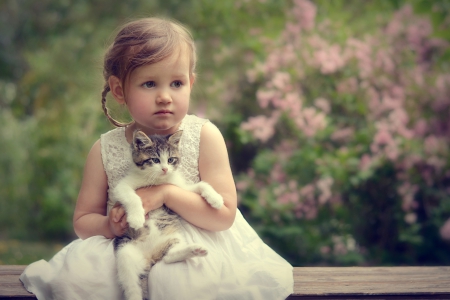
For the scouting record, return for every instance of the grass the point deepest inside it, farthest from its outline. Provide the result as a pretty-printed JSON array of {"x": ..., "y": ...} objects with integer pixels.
[{"x": 15, "y": 252}]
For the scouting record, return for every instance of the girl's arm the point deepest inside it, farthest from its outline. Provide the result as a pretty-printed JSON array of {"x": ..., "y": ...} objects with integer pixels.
[
  {"x": 215, "y": 169},
  {"x": 90, "y": 218}
]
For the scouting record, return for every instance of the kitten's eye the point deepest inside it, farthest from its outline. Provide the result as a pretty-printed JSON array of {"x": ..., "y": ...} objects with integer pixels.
[
  {"x": 176, "y": 84},
  {"x": 172, "y": 160},
  {"x": 156, "y": 160},
  {"x": 149, "y": 84}
]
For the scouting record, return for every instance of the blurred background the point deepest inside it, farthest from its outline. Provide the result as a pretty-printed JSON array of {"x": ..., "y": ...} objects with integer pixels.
[{"x": 336, "y": 114}]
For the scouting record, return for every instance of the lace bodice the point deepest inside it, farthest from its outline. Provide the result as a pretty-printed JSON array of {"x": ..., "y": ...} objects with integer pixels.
[{"x": 116, "y": 152}]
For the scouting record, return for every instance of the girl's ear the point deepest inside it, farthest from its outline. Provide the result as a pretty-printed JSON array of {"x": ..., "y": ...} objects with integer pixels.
[
  {"x": 116, "y": 88},
  {"x": 192, "y": 79}
]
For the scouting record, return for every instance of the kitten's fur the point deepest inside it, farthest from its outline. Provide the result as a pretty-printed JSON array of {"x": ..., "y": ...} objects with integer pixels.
[{"x": 146, "y": 242}]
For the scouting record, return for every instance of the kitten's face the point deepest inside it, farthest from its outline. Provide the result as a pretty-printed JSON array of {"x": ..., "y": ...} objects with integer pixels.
[{"x": 157, "y": 155}]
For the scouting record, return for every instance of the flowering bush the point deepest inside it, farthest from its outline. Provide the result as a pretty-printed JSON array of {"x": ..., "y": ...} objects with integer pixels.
[{"x": 354, "y": 136}]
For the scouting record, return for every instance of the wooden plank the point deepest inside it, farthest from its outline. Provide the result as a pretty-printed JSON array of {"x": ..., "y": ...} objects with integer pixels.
[
  {"x": 371, "y": 283},
  {"x": 320, "y": 283},
  {"x": 10, "y": 285},
  {"x": 11, "y": 270}
]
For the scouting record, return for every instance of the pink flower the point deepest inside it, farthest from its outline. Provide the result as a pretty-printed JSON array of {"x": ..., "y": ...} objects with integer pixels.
[
  {"x": 339, "y": 247},
  {"x": 445, "y": 230},
  {"x": 289, "y": 55},
  {"x": 411, "y": 218},
  {"x": 310, "y": 121},
  {"x": 343, "y": 134},
  {"x": 241, "y": 185},
  {"x": 420, "y": 128},
  {"x": 407, "y": 191},
  {"x": 273, "y": 62},
  {"x": 348, "y": 86},
  {"x": 252, "y": 75},
  {"x": 324, "y": 186},
  {"x": 285, "y": 149},
  {"x": 293, "y": 29},
  {"x": 305, "y": 13},
  {"x": 307, "y": 190},
  {"x": 261, "y": 127},
  {"x": 436, "y": 162},
  {"x": 323, "y": 104},
  {"x": 434, "y": 145},
  {"x": 365, "y": 162},
  {"x": 277, "y": 174},
  {"x": 262, "y": 198},
  {"x": 329, "y": 60},
  {"x": 383, "y": 137},
  {"x": 281, "y": 81},
  {"x": 384, "y": 61},
  {"x": 265, "y": 96},
  {"x": 291, "y": 103},
  {"x": 289, "y": 198},
  {"x": 325, "y": 250}
]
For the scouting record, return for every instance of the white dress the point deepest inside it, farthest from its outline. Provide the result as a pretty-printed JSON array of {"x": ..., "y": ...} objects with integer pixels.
[{"x": 238, "y": 265}]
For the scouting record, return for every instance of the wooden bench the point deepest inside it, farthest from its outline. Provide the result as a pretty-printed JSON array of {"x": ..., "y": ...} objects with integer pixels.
[{"x": 321, "y": 283}]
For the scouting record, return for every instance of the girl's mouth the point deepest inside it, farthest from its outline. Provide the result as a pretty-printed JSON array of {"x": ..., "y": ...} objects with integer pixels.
[{"x": 163, "y": 112}]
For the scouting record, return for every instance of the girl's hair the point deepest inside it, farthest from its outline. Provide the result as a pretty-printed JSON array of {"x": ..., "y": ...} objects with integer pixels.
[{"x": 142, "y": 42}]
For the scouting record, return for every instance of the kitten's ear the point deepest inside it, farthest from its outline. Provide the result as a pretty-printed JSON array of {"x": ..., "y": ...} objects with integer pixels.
[
  {"x": 141, "y": 140},
  {"x": 175, "y": 138}
]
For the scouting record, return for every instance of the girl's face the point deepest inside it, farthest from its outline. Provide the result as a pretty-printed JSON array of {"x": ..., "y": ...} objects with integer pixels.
[{"x": 157, "y": 95}]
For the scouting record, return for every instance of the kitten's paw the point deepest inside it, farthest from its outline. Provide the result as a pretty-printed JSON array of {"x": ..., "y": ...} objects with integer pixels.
[
  {"x": 213, "y": 198},
  {"x": 136, "y": 220},
  {"x": 199, "y": 251}
]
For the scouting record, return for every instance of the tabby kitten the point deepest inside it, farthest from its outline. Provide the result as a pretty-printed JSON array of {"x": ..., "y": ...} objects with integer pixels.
[{"x": 156, "y": 159}]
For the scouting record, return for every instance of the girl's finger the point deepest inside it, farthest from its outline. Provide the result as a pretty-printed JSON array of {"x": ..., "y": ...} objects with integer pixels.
[
  {"x": 124, "y": 222},
  {"x": 120, "y": 213}
]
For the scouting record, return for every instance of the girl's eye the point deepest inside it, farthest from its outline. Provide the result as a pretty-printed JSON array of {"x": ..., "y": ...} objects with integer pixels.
[
  {"x": 176, "y": 84},
  {"x": 149, "y": 84},
  {"x": 172, "y": 160},
  {"x": 156, "y": 160}
]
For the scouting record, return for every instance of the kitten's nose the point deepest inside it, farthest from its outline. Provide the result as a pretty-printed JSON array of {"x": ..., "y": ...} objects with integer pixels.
[{"x": 164, "y": 170}]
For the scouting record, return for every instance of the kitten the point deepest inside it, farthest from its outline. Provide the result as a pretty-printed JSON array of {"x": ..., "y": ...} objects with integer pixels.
[{"x": 156, "y": 159}]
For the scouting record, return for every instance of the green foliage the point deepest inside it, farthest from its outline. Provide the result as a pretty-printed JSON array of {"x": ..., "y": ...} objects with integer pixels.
[
  {"x": 16, "y": 252},
  {"x": 50, "y": 84}
]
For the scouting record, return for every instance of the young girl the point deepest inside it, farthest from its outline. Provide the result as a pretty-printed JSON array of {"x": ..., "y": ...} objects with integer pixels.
[{"x": 150, "y": 68}]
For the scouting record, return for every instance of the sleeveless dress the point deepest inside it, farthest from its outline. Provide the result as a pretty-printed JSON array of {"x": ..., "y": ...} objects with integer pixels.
[{"x": 239, "y": 265}]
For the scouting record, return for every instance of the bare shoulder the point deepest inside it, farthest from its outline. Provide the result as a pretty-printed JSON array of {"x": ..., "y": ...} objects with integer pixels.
[
  {"x": 95, "y": 156},
  {"x": 211, "y": 139},
  {"x": 213, "y": 150},
  {"x": 210, "y": 132}
]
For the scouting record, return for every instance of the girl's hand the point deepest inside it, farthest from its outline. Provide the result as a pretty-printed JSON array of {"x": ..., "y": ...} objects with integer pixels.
[
  {"x": 154, "y": 197},
  {"x": 118, "y": 220}
]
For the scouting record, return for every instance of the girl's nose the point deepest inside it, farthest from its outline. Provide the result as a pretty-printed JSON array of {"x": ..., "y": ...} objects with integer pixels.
[{"x": 163, "y": 97}]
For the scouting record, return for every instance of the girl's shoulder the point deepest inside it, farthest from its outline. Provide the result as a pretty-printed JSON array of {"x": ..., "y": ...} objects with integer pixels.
[
  {"x": 193, "y": 120},
  {"x": 116, "y": 154},
  {"x": 200, "y": 129},
  {"x": 192, "y": 128},
  {"x": 116, "y": 134},
  {"x": 113, "y": 140}
]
